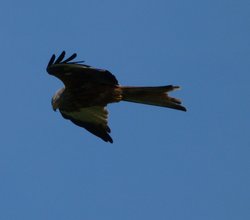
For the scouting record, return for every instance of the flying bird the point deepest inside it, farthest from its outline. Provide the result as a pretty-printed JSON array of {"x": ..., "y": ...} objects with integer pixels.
[{"x": 88, "y": 90}]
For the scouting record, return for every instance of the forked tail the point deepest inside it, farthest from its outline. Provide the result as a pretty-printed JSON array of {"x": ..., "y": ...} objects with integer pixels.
[{"x": 157, "y": 95}]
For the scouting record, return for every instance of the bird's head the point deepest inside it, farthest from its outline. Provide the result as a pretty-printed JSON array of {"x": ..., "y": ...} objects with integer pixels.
[{"x": 56, "y": 99}]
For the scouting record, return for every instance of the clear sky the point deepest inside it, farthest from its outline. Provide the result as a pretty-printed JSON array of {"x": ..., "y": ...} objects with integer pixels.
[{"x": 164, "y": 164}]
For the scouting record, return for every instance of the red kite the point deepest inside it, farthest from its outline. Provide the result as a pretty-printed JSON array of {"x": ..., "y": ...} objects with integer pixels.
[{"x": 88, "y": 90}]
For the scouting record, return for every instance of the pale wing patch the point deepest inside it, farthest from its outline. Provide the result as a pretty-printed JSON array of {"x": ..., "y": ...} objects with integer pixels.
[
  {"x": 95, "y": 114},
  {"x": 94, "y": 119}
]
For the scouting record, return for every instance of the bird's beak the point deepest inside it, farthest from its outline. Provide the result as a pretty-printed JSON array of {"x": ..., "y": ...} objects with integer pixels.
[
  {"x": 54, "y": 109},
  {"x": 54, "y": 106}
]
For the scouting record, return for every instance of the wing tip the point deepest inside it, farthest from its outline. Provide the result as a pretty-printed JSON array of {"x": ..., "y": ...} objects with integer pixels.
[
  {"x": 182, "y": 108},
  {"x": 51, "y": 61},
  {"x": 60, "y": 60},
  {"x": 108, "y": 139}
]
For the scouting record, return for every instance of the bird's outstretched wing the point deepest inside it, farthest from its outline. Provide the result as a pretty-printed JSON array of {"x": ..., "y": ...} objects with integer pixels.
[
  {"x": 75, "y": 73},
  {"x": 94, "y": 119}
]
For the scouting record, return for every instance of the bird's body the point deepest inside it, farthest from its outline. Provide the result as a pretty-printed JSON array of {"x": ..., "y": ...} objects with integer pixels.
[
  {"x": 87, "y": 96},
  {"x": 88, "y": 90}
]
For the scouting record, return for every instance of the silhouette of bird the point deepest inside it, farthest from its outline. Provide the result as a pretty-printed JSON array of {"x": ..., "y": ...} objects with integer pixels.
[{"x": 89, "y": 90}]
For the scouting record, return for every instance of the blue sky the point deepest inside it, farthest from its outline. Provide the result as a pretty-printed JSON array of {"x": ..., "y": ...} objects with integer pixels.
[{"x": 164, "y": 164}]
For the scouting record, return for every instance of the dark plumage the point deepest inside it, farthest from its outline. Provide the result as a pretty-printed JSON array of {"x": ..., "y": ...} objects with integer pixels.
[{"x": 88, "y": 90}]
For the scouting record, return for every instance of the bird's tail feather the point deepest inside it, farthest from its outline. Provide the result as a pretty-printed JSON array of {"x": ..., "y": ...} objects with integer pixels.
[{"x": 157, "y": 95}]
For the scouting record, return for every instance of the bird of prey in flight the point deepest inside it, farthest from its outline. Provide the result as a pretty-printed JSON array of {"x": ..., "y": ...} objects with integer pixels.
[{"x": 89, "y": 90}]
